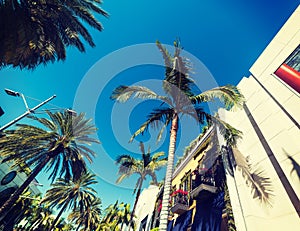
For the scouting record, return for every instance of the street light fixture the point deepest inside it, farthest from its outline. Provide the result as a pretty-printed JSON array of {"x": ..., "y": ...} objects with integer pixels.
[
  {"x": 11, "y": 92},
  {"x": 17, "y": 94}
]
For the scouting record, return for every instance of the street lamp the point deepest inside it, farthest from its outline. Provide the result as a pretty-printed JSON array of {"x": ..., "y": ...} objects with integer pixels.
[
  {"x": 17, "y": 94},
  {"x": 12, "y": 93},
  {"x": 28, "y": 110}
]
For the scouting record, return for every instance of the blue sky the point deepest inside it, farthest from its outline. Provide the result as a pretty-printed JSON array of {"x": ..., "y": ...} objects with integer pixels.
[{"x": 224, "y": 38}]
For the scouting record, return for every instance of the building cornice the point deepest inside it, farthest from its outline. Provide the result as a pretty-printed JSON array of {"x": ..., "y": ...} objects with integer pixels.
[{"x": 191, "y": 154}]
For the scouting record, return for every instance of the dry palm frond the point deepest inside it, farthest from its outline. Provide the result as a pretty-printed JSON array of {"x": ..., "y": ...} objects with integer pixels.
[{"x": 261, "y": 185}]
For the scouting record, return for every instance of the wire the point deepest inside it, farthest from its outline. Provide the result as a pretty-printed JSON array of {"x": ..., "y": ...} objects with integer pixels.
[{"x": 57, "y": 108}]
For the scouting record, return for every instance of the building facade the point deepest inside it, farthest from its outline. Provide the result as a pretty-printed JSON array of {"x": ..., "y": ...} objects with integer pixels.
[
  {"x": 144, "y": 208},
  {"x": 270, "y": 122},
  {"x": 10, "y": 180}
]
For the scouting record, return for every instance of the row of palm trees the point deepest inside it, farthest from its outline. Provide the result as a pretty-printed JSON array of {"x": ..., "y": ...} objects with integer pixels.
[
  {"x": 84, "y": 207},
  {"x": 61, "y": 149}
]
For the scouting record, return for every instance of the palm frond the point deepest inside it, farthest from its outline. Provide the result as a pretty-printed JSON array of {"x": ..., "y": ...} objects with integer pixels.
[
  {"x": 229, "y": 95},
  {"x": 153, "y": 119},
  {"x": 167, "y": 58},
  {"x": 230, "y": 134},
  {"x": 142, "y": 147},
  {"x": 34, "y": 36},
  {"x": 123, "y": 93},
  {"x": 197, "y": 113}
]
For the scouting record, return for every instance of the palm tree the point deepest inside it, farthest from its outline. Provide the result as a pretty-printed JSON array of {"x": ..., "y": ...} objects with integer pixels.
[
  {"x": 115, "y": 217},
  {"x": 124, "y": 215},
  {"x": 90, "y": 218},
  {"x": 179, "y": 100},
  {"x": 36, "y": 32},
  {"x": 41, "y": 217},
  {"x": 142, "y": 167},
  {"x": 110, "y": 212},
  {"x": 76, "y": 194},
  {"x": 62, "y": 148}
]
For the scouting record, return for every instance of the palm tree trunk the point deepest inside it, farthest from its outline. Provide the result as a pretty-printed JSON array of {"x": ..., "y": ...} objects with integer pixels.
[
  {"x": 167, "y": 187},
  {"x": 59, "y": 214},
  {"x": 138, "y": 193},
  {"x": 14, "y": 197}
]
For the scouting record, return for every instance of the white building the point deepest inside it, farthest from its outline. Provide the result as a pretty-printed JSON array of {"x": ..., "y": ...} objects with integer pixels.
[
  {"x": 270, "y": 122},
  {"x": 144, "y": 208}
]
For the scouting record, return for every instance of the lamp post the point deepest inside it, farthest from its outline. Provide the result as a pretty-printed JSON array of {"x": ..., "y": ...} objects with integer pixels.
[{"x": 28, "y": 111}]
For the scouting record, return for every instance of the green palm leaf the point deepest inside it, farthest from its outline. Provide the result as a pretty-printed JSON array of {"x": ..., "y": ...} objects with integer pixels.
[
  {"x": 123, "y": 93},
  {"x": 39, "y": 32},
  {"x": 77, "y": 194},
  {"x": 229, "y": 95},
  {"x": 164, "y": 115}
]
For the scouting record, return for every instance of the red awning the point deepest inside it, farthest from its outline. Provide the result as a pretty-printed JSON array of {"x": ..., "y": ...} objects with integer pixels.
[{"x": 290, "y": 76}]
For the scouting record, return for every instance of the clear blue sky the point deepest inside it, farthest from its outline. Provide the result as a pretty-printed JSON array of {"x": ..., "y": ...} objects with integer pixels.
[{"x": 226, "y": 36}]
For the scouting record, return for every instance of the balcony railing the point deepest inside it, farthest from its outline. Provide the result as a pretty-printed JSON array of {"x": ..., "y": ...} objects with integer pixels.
[
  {"x": 180, "y": 202},
  {"x": 203, "y": 192},
  {"x": 203, "y": 186},
  {"x": 179, "y": 208}
]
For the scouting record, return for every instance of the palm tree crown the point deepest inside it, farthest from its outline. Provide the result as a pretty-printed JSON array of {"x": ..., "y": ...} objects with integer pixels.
[
  {"x": 76, "y": 194},
  {"x": 89, "y": 218},
  {"x": 179, "y": 99},
  {"x": 61, "y": 148},
  {"x": 115, "y": 217},
  {"x": 39, "y": 31}
]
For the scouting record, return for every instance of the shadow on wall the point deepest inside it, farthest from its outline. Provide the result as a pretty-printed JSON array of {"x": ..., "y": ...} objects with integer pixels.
[{"x": 296, "y": 166}]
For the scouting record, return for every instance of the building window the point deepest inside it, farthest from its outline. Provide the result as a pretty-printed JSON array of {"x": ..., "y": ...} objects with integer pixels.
[
  {"x": 289, "y": 71},
  {"x": 8, "y": 177},
  {"x": 186, "y": 182},
  {"x": 293, "y": 60}
]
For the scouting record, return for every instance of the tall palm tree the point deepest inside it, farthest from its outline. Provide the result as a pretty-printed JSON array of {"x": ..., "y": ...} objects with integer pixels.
[
  {"x": 76, "y": 194},
  {"x": 128, "y": 166},
  {"x": 179, "y": 100},
  {"x": 39, "y": 31},
  {"x": 90, "y": 218},
  {"x": 62, "y": 148}
]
